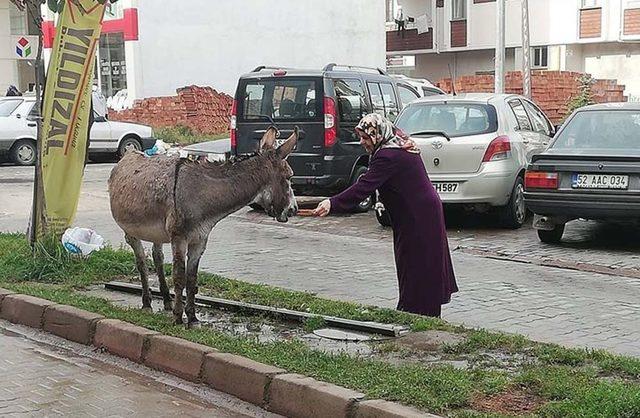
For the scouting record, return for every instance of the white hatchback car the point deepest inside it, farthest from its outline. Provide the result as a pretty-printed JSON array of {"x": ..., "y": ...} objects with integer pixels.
[
  {"x": 18, "y": 133},
  {"x": 476, "y": 147}
]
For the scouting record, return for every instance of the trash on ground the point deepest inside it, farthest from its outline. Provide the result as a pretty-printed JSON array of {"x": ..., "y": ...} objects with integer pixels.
[{"x": 82, "y": 241}]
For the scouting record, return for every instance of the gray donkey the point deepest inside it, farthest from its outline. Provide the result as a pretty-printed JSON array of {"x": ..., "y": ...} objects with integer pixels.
[{"x": 172, "y": 200}]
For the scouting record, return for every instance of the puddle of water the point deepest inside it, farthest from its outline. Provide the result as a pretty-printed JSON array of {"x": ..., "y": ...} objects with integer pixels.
[{"x": 333, "y": 341}]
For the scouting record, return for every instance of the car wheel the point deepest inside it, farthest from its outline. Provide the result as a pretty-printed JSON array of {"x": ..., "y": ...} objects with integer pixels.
[
  {"x": 383, "y": 217},
  {"x": 367, "y": 204},
  {"x": 514, "y": 214},
  {"x": 129, "y": 144},
  {"x": 24, "y": 152},
  {"x": 553, "y": 236}
]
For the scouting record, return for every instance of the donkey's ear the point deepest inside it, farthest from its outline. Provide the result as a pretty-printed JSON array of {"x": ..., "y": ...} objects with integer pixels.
[
  {"x": 268, "y": 140},
  {"x": 289, "y": 145}
]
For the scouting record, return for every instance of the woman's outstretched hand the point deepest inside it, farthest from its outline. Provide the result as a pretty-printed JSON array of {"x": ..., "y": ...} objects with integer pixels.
[{"x": 323, "y": 208}]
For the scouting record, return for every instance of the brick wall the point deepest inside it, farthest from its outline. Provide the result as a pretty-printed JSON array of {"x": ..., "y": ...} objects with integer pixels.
[
  {"x": 458, "y": 33},
  {"x": 551, "y": 90},
  {"x": 202, "y": 109},
  {"x": 632, "y": 22},
  {"x": 590, "y": 23}
]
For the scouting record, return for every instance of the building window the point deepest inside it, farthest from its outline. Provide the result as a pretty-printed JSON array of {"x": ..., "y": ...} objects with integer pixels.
[
  {"x": 113, "y": 68},
  {"x": 392, "y": 8},
  {"x": 540, "y": 57},
  {"x": 17, "y": 21},
  {"x": 588, "y": 4},
  {"x": 459, "y": 10}
]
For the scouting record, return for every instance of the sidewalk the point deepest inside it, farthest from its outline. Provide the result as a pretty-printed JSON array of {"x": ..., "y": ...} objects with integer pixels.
[{"x": 65, "y": 379}]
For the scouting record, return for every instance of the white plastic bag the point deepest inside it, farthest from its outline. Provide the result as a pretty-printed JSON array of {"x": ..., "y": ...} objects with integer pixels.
[{"x": 82, "y": 241}]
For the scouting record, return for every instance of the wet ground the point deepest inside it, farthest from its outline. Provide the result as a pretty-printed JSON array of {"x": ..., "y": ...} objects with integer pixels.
[
  {"x": 45, "y": 376},
  {"x": 428, "y": 347}
]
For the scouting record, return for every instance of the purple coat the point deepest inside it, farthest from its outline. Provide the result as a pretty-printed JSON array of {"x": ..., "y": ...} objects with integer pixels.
[{"x": 423, "y": 262}]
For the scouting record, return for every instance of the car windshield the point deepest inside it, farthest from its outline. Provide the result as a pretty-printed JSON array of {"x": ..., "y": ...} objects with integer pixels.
[
  {"x": 282, "y": 99},
  {"x": 595, "y": 131},
  {"x": 454, "y": 119},
  {"x": 8, "y": 106}
]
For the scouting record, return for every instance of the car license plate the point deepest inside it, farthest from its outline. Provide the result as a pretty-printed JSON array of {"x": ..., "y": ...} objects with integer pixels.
[
  {"x": 600, "y": 181},
  {"x": 446, "y": 187}
]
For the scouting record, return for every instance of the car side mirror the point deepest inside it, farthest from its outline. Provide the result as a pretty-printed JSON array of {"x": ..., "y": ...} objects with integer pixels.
[
  {"x": 100, "y": 119},
  {"x": 556, "y": 128},
  {"x": 18, "y": 116}
]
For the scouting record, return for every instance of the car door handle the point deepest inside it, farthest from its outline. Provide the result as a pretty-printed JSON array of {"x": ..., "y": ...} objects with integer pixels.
[
  {"x": 32, "y": 125},
  {"x": 525, "y": 141}
]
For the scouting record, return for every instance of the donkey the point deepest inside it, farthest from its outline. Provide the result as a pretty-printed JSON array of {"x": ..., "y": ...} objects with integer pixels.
[{"x": 172, "y": 200}]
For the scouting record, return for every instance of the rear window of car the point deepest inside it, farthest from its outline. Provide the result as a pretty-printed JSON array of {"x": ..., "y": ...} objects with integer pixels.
[
  {"x": 352, "y": 103},
  {"x": 283, "y": 99},
  {"x": 601, "y": 130},
  {"x": 8, "y": 106},
  {"x": 454, "y": 119}
]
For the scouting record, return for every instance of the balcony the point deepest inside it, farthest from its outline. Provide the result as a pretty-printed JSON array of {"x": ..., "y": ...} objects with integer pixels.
[{"x": 410, "y": 40}]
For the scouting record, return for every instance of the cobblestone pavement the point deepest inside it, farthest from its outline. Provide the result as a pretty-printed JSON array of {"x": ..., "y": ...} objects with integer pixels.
[
  {"x": 52, "y": 377},
  {"x": 584, "y": 292}
]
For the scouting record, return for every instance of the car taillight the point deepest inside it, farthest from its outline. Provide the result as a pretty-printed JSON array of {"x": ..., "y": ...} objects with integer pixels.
[
  {"x": 233, "y": 124},
  {"x": 540, "y": 180},
  {"x": 499, "y": 149},
  {"x": 330, "y": 131}
]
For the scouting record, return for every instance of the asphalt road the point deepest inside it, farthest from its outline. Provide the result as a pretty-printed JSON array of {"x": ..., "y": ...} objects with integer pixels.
[{"x": 583, "y": 293}]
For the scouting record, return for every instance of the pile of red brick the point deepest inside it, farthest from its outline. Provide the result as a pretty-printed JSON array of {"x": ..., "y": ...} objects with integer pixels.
[
  {"x": 202, "y": 109},
  {"x": 551, "y": 90}
]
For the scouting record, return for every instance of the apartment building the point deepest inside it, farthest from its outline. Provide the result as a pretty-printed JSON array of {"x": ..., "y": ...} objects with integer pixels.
[
  {"x": 18, "y": 48},
  {"x": 458, "y": 37}
]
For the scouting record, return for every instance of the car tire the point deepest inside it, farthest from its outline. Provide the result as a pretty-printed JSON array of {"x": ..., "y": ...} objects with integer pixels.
[
  {"x": 368, "y": 203},
  {"x": 129, "y": 143},
  {"x": 24, "y": 152},
  {"x": 553, "y": 236},
  {"x": 383, "y": 217},
  {"x": 514, "y": 214}
]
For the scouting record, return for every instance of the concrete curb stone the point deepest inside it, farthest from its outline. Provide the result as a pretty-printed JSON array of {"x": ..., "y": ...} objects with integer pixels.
[
  {"x": 122, "y": 338},
  {"x": 3, "y": 293},
  {"x": 385, "y": 409},
  {"x": 269, "y": 387},
  {"x": 239, "y": 376},
  {"x": 176, "y": 356},
  {"x": 71, "y": 323},
  {"x": 25, "y": 310},
  {"x": 298, "y": 396}
]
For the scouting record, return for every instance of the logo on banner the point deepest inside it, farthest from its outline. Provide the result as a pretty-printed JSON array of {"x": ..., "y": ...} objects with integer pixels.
[{"x": 23, "y": 48}]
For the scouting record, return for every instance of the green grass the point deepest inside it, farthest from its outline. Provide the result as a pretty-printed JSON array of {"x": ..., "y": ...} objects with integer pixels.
[
  {"x": 436, "y": 389},
  {"x": 183, "y": 135},
  {"x": 570, "y": 382}
]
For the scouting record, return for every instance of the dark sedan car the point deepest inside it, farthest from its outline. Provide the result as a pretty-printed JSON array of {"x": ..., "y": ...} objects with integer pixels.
[{"x": 590, "y": 171}]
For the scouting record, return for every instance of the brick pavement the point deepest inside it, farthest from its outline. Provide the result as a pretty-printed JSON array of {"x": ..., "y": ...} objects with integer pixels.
[
  {"x": 351, "y": 259},
  {"x": 41, "y": 380}
]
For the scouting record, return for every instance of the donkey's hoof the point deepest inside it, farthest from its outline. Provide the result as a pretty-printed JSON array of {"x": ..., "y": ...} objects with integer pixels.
[
  {"x": 178, "y": 321},
  {"x": 193, "y": 324},
  {"x": 168, "y": 306}
]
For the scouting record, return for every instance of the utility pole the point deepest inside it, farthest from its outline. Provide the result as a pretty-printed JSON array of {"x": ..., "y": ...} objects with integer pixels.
[
  {"x": 500, "y": 54},
  {"x": 526, "y": 51}
]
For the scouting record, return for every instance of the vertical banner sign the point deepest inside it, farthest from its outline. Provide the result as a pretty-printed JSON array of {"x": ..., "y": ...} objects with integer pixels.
[{"x": 66, "y": 110}]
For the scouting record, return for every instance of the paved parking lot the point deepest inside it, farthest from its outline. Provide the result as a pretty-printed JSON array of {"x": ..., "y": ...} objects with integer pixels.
[{"x": 582, "y": 293}]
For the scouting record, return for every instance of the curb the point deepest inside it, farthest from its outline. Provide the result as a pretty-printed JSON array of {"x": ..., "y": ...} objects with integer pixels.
[{"x": 263, "y": 385}]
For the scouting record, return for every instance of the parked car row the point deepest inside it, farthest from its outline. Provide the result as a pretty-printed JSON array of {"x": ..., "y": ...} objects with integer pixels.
[{"x": 18, "y": 117}]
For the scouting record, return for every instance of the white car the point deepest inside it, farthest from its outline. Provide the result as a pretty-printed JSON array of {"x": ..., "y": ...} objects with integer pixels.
[
  {"x": 18, "y": 133},
  {"x": 476, "y": 147}
]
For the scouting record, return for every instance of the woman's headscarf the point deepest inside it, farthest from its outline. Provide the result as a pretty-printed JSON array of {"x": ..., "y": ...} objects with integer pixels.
[{"x": 384, "y": 135}]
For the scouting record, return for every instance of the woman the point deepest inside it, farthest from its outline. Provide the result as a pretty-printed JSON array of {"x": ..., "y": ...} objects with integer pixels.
[{"x": 423, "y": 262}]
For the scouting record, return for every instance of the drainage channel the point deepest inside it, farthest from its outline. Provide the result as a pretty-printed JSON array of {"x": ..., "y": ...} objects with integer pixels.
[{"x": 232, "y": 305}]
